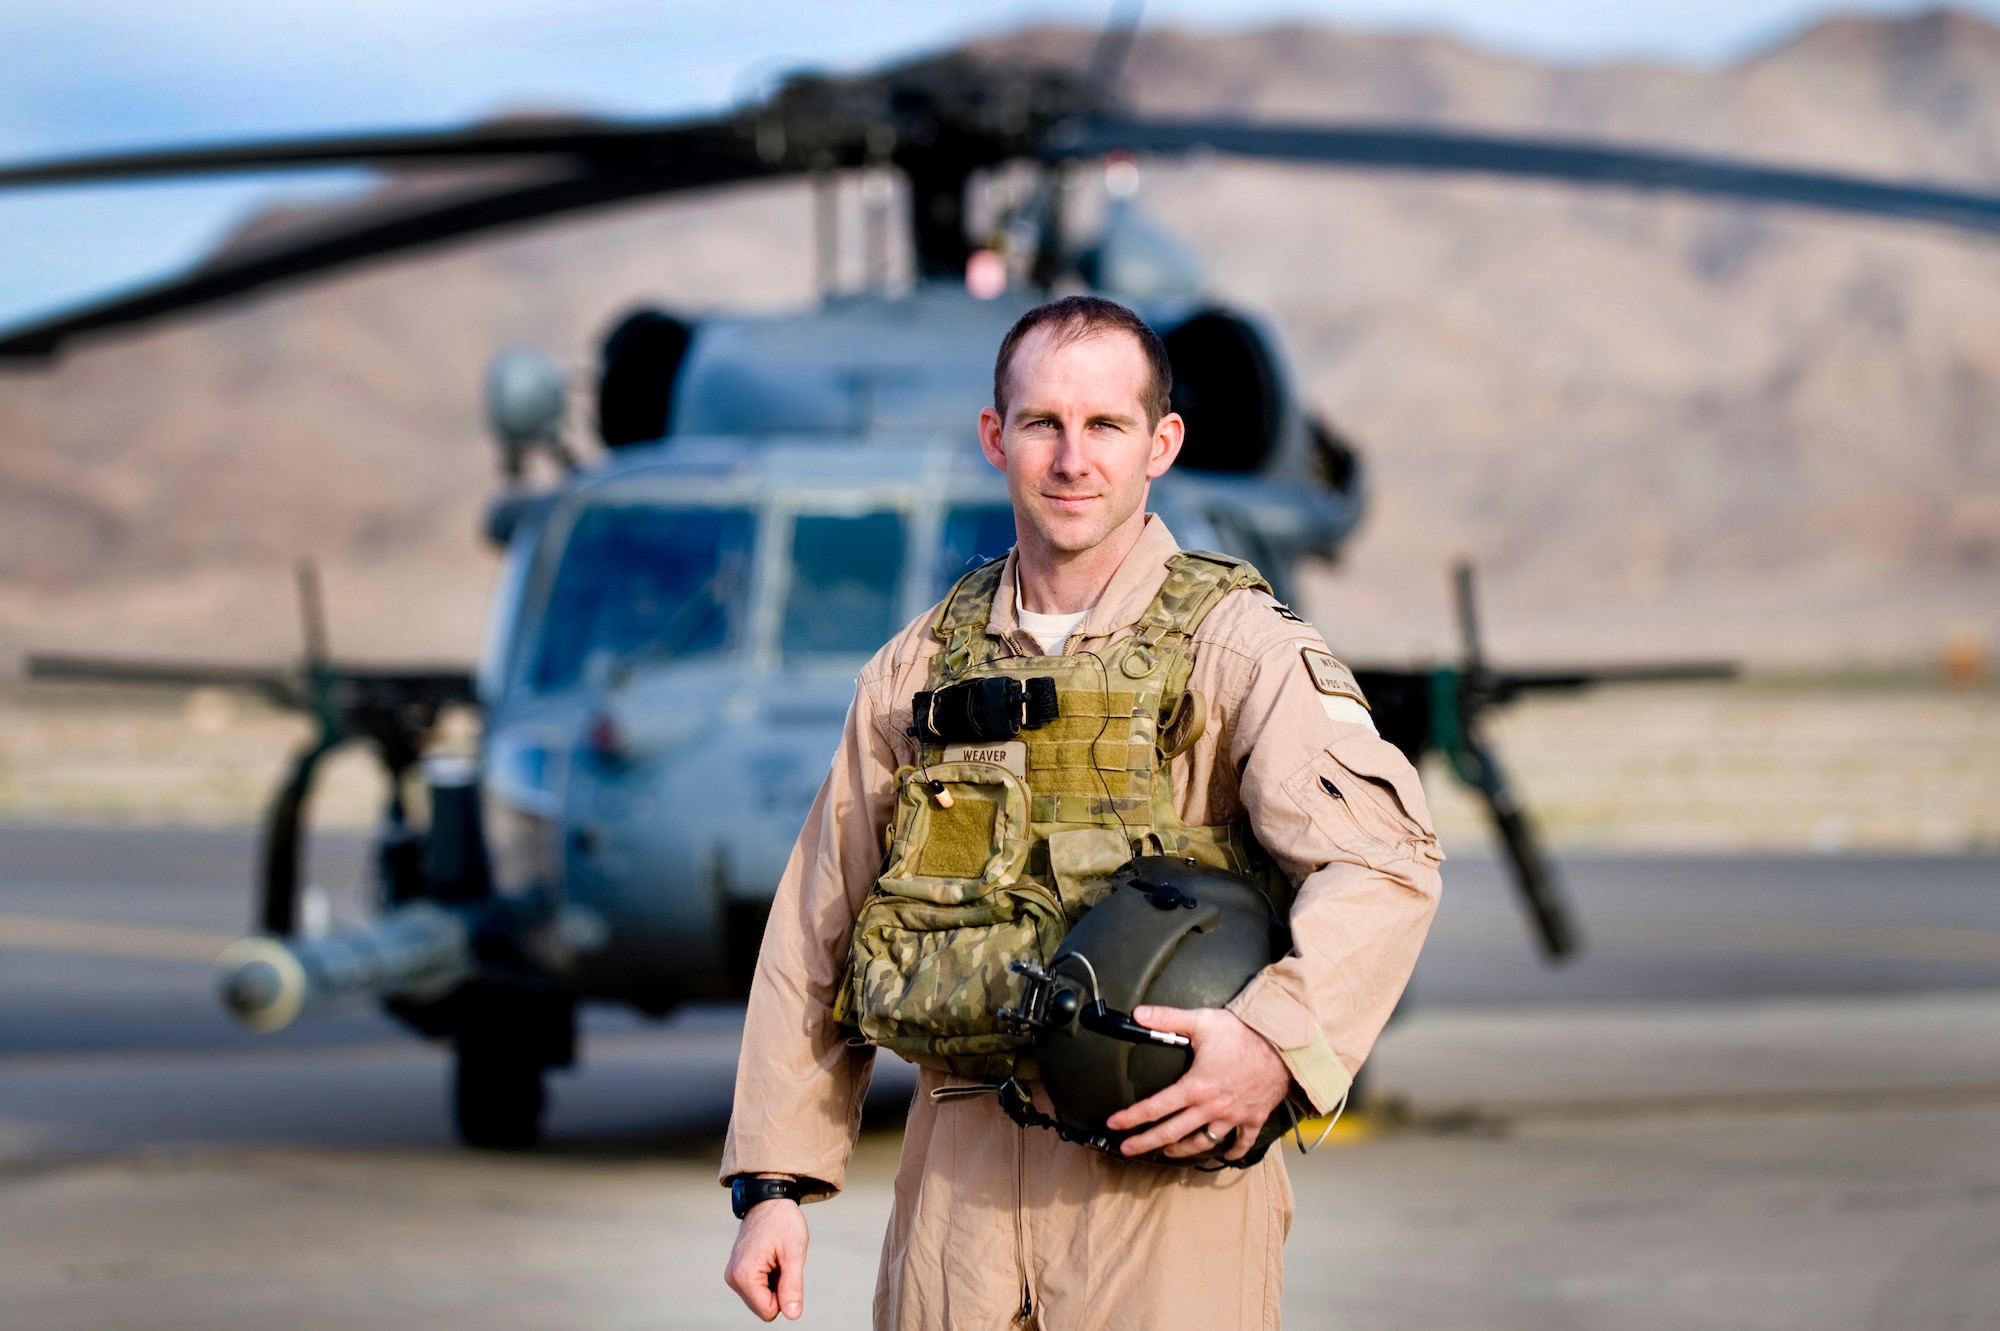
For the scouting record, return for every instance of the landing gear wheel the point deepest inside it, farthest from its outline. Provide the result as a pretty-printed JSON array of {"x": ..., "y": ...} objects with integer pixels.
[{"x": 497, "y": 1099}]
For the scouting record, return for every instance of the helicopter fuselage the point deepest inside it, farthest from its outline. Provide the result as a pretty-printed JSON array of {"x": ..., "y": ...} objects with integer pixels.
[{"x": 676, "y": 630}]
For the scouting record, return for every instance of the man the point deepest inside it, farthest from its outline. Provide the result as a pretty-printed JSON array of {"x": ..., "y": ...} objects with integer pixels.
[{"x": 1001, "y": 1225}]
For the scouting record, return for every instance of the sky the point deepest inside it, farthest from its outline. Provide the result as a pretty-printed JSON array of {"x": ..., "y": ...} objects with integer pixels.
[{"x": 82, "y": 75}]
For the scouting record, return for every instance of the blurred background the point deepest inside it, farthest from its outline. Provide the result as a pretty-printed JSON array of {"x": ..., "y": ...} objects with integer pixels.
[{"x": 1661, "y": 428}]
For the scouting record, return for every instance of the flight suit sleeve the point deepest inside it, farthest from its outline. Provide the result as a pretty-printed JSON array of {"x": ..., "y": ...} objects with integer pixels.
[
  {"x": 799, "y": 1085},
  {"x": 1341, "y": 811}
]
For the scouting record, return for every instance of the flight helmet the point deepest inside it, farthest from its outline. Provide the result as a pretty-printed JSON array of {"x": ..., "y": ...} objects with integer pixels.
[{"x": 1172, "y": 932}]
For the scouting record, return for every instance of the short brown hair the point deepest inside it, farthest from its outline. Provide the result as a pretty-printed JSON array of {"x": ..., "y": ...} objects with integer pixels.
[{"x": 1074, "y": 318}]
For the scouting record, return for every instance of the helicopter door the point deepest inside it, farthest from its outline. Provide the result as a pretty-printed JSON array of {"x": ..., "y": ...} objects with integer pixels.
[{"x": 845, "y": 572}]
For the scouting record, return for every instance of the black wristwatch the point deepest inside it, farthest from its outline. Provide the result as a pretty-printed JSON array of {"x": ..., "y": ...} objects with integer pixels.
[{"x": 745, "y": 1191}]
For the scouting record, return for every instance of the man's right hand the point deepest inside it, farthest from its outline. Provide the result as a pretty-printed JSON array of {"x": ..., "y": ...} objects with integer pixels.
[{"x": 767, "y": 1267}]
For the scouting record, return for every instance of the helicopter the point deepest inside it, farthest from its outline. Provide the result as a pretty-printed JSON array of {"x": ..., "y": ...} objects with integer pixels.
[{"x": 675, "y": 626}]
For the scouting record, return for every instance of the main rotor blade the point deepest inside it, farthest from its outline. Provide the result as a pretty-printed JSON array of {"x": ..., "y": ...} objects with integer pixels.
[
  {"x": 573, "y": 138},
  {"x": 1415, "y": 149},
  {"x": 1584, "y": 677},
  {"x": 444, "y": 683},
  {"x": 171, "y": 674},
  {"x": 405, "y": 229}
]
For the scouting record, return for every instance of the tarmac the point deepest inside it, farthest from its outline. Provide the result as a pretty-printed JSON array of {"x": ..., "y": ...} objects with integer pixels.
[{"x": 1770, "y": 1098}]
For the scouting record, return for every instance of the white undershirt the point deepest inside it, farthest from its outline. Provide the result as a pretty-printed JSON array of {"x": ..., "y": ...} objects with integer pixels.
[{"x": 1051, "y": 631}]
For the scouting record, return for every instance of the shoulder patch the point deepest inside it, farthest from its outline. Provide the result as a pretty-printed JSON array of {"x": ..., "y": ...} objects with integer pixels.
[
  {"x": 1329, "y": 676},
  {"x": 1286, "y": 612}
]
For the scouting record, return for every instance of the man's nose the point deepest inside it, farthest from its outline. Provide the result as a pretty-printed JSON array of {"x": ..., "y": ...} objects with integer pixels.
[{"x": 1070, "y": 459}]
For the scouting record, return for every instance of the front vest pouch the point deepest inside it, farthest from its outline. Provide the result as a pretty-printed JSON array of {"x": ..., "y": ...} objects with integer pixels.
[
  {"x": 951, "y": 910},
  {"x": 1082, "y": 860}
]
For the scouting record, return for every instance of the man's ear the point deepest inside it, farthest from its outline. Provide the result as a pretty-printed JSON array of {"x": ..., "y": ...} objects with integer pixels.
[
  {"x": 991, "y": 438},
  {"x": 1168, "y": 436}
]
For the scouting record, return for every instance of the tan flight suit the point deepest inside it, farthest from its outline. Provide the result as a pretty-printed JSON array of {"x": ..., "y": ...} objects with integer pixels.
[{"x": 997, "y": 1225}]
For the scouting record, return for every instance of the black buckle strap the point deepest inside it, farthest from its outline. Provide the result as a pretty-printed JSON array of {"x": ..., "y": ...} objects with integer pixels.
[
  {"x": 983, "y": 711},
  {"x": 1016, "y": 1103}
]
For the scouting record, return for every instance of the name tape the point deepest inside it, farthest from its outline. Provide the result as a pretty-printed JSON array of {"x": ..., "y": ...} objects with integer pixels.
[{"x": 1011, "y": 755}]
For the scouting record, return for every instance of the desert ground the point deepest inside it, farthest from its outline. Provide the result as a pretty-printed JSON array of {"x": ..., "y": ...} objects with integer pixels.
[
  {"x": 1778, "y": 763},
  {"x": 1768, "y": 1096}
]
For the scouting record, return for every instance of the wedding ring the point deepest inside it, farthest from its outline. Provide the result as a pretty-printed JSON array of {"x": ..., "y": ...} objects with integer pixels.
[{"x": 1213, "y": 1140}]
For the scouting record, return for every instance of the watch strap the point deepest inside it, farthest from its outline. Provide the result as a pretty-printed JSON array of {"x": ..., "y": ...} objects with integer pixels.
[{"x": 746, "y": 1191}]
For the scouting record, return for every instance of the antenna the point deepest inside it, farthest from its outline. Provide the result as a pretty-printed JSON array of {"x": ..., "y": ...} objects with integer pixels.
[
  {"x": 312, "y": 612},
  {"x": 1468, "y": 616},
  {"x": 1107, "y": 58}
]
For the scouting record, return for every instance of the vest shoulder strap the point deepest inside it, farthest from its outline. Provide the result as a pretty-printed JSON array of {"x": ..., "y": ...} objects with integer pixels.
[
  {"x": 969, "y": 605},
  {"x": 1197, "y": 580},
  {"x": 961, "y": 622}
]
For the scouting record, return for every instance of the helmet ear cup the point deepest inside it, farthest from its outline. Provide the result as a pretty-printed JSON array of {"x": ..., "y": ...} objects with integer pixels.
[{"x": 1171, "y": 932}]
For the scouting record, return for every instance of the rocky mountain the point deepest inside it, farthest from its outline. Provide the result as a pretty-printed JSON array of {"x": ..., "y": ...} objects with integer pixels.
[{"x": 1659, "y": 425}]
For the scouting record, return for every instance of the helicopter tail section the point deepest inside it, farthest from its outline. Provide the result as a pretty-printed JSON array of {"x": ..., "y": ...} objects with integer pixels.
[{"x": 1444, "y": 709}]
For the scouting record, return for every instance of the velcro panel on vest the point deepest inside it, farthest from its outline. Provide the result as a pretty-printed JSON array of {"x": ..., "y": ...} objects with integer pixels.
[
  {"x": 1094, "y": 749},
  {"x": 1083, "y": 713},
  {"x": 960, "y": 840},
  {"x": 1102, "y": 755},
  {"x": 1090, "y": 734}
]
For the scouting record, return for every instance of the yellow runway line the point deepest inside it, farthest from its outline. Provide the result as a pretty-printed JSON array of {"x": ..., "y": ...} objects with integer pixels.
[
  {"x": 1355, "y": 1125},
  {"x": 105, "y": 938}
]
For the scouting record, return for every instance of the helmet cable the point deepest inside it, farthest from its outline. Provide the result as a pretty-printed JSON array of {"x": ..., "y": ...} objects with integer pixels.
[
  {"x": 1320, "y": 1141},
  {"x": 1103, "y": 724},
  {"x": 1096, "y": 995}
]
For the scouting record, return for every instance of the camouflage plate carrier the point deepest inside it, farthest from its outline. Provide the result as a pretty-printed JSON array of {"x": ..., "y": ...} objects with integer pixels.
[{"x": 997, "y": 868}]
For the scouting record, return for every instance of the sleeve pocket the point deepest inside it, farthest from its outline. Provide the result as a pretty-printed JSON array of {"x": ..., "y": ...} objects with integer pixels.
[
  {"x": 1390, "y": 777},
  {"x": 1362, "y": 786}
]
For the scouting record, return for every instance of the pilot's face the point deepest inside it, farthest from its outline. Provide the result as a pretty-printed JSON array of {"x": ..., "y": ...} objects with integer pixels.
[{"x": 1077, "y": 450}]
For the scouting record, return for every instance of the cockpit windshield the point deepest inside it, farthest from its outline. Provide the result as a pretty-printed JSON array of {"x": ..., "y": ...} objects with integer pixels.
[
  {"x": 636, "y": 581},
  {"x": 971, "y": 536},
  {"x": 842, "y": 595}
]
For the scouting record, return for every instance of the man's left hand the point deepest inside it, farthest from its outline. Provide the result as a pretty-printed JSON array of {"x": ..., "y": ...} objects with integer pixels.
[{"x": 1235, "y": 1082}]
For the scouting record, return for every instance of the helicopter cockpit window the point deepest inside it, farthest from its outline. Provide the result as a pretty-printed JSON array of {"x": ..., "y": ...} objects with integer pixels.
[
  {"x": 842, "y": 597},
  {"x": 654, "y": 583},
  {"x": 972, "y": 536}
]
